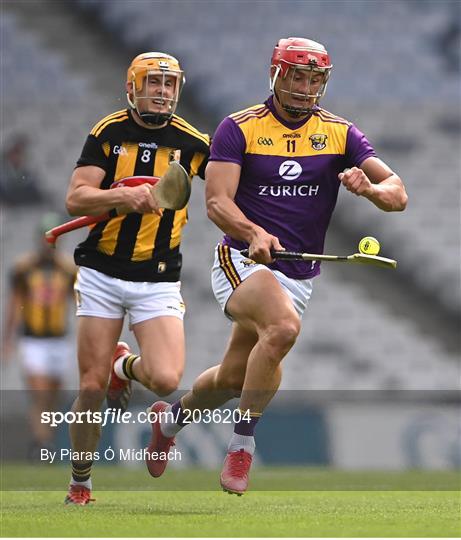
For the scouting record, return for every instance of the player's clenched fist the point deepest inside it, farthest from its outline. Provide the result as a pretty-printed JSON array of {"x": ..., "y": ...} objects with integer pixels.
[
  {"x": 356, "y": 181},
  {"x": 140, "y": 199}
]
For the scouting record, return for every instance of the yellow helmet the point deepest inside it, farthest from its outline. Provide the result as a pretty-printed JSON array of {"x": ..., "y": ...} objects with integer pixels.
[{"x": 154, "y": 63}]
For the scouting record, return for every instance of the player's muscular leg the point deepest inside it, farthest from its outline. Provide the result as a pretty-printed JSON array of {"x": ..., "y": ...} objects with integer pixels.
[
  {"x": 161, "y": 344},
  {"x": 261, "y": 305},
  {"x": 96, "y": 342},
  {"x": 220, "y": 383}
]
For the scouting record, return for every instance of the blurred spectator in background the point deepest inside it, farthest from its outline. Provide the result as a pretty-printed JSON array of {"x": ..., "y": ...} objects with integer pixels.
[
  {"x": 41, "y": 287},
  {"x": 448, "y": 45},
  {"x": 19, "y": 186}
]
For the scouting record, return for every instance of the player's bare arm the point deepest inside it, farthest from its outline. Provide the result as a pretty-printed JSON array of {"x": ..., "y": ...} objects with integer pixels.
[
  {"x": 222, "y": 179},
  {"x": 85, "y": 198},
  {"x": 375, "y": 181}
]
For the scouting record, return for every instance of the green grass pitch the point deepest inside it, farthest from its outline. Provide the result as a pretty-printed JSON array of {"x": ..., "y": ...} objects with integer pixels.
[{"x": 338, "y": 504}]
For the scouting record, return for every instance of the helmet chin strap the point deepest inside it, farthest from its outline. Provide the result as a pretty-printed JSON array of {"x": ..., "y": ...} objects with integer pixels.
[
  {"x": 148, "y": 118},
  {"x": 294, "y": 112},
  {"x": 154, "y": 119}
]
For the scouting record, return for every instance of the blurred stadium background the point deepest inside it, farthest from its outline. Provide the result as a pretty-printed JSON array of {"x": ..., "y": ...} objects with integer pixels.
[{"x": 375, "y": 374}]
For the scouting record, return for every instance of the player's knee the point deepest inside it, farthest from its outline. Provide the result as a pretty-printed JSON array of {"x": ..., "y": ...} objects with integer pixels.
[
  {"x": 93, "y": 385},
  {"x": 282, "y": 336},
  {"x": 164, "y": 384},
  {"x": 92, "y": 392}
]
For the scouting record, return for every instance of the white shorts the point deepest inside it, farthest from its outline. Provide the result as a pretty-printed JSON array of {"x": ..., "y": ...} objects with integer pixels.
[
  {"x": 99, "y": 295},
  {"x": 45, "y": 356},
  {"x": 230, "y": 268}
]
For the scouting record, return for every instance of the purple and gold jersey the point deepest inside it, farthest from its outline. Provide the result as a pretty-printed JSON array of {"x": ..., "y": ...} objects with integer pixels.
[{"x": 289, "y": 179}]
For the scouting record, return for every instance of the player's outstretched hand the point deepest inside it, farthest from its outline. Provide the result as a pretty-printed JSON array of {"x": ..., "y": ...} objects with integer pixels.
[
  {"x": 140, "y": 199},
  {"x": 261, "y": 246},
  {"x": 356, "y": 181}
]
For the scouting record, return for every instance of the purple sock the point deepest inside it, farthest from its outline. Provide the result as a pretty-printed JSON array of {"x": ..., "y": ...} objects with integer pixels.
[
  {"x": 245, "y": 426},
  {"x": 178, "y": 413}
]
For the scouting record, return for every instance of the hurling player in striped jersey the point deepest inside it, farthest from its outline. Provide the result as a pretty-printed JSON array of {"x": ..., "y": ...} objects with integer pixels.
[
  {"x": 271, "y": 184},
  {"x": 130, "y": 264}
]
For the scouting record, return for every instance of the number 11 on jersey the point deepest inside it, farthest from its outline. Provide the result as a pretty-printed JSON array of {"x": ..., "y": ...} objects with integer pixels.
[{"x": 291, "y": 145}]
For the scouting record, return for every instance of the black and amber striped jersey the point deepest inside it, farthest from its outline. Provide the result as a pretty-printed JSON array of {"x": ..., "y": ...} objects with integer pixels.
[
  {"x": 139, "y": 247},
  {"x": 44, "y": 287}
]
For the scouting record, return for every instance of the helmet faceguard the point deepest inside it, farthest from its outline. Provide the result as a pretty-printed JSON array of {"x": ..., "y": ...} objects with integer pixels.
[
  {"x": 155, "y": 65},
  {"x": 299, "y": 59}
]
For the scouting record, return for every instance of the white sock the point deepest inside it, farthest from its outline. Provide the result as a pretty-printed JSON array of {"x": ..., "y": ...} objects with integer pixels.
[
  {"x": 86, "y": 483},
  {"x": 237, "y": 442},
  {"x": 169, "y": 427},
  {"x": 118, "y": 367}
]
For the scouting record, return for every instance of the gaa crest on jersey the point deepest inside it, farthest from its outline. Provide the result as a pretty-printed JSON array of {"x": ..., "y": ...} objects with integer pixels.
[
  {"x": 318, "y": 141},
  {"x": 265, "y": 141},
  {"x": 120, "y": 150}
]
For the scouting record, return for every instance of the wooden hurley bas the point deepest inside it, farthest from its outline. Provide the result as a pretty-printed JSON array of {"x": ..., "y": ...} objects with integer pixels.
[{"x": 171, "y": 191}]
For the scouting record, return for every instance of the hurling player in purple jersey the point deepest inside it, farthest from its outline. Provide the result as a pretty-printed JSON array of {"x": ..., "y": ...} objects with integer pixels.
[{"x": 272, "y": 184}]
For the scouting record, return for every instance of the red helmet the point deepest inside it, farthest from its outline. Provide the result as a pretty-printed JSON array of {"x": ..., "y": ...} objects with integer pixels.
[
  {"x": 303, "y": 54},
  {"x": 300, "y": 52}
]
